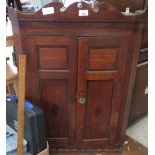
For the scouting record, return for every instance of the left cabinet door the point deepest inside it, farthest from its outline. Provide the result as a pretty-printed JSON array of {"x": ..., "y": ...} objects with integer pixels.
[{"x": 52, "y": 67}]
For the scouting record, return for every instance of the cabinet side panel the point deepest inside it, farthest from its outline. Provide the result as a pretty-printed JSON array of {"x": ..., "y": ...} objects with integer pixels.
[{"x": 139, "y": 104}]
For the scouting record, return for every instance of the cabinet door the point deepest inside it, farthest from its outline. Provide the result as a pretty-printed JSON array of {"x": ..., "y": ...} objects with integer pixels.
[
  {"x": 101, "y": 72},
  {"x": 52, "y": 69}
]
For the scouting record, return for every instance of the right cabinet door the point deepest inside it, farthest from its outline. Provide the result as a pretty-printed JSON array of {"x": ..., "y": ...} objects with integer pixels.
[{"x": 101, "y": 72}]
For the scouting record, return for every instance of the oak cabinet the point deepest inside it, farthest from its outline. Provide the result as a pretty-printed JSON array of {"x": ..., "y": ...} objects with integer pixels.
[{"x": 81, "y": 71}]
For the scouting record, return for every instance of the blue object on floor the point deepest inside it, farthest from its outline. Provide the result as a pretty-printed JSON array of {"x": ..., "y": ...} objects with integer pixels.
[{"x": 28, "y": 105}]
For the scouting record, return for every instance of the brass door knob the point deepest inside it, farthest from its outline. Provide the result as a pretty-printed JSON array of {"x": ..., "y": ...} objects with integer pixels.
[{"x": 82, "y": 100}]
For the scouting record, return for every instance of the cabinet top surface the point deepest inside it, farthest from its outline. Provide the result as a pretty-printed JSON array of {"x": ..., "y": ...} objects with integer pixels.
[{"x": 103, "y": 12}]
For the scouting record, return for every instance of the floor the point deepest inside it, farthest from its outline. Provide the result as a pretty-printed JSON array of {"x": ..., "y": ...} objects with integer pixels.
[{"x": 139, "y": 131}]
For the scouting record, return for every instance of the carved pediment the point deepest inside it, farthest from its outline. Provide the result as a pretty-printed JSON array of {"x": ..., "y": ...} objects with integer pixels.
[{"x": 78, "y": 12}]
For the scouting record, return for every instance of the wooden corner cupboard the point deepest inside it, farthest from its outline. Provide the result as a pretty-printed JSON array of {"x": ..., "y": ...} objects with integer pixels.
[{"x": 81, "y": 65}]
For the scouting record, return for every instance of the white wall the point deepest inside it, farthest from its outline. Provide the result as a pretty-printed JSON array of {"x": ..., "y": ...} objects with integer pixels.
[
  {"x": 40, "y": 3},
  {"x": 68, "y": 2}
]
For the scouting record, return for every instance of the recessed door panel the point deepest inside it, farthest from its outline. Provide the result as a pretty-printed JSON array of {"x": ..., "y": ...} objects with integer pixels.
[
  {"x": 55, "y": 92},
  {"x": 51, "y": 57},
  {"x": 97, "y": 109},
  {"x": 102, "y": 58}
]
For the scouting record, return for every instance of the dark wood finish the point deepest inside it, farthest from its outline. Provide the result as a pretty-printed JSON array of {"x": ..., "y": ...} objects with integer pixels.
[
  {"x": 123, "y": 4},
  {"x": 145, "y": 36},
  {"x": 18, "y": 5},
  {"x": 53, "y": 82},
  {"x": 132, "y": 148},
  {"x": 72, "y": 57},
  {"x": 143, "y": 55},
  {"x": 133, "y": 5},
  {"x": 139, "y": 105},
  {"x": 52, "y": 57},
  {"x": 102, "y": 58},
  {"x": 103, "y": 89}
]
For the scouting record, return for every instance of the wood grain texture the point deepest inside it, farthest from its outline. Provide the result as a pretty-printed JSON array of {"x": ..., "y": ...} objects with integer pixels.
[
  {"x": 64, "y": 66},
  {"x": 52, "y": 57},
  {"x": 110, "y": 99},
  {"x": 53, "y": 83},
  {"x": 97, "y": 110},
  {"x": 55, "y": 97},
  {"x": 132, "y": 148},
  {"x": 139, "y": 104},
  {"x": 123, "y": 4},
  {"x": 21, "y": 103},
  {"x": 102, "y": 59}
]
